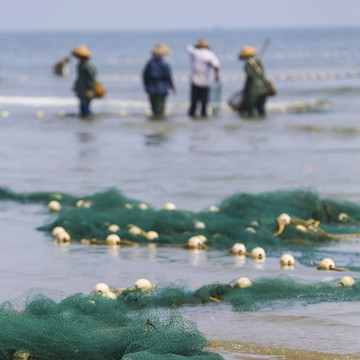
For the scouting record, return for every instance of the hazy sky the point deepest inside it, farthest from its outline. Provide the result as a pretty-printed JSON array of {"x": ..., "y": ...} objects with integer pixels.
[{"x": 175, "y": 14}]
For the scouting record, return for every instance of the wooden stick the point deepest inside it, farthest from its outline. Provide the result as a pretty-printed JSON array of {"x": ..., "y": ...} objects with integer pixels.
[
  {"x": 340, "y": 269},
  {"x": 215, "y": 299}
]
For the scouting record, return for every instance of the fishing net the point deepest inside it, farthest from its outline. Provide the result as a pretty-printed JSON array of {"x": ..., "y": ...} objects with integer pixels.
[
  {"x": 262, "y": 293},
  {"x": 41, "y": 325},
  {"x": 246, "y": 218},
  {"x": 94, "y": 327}
]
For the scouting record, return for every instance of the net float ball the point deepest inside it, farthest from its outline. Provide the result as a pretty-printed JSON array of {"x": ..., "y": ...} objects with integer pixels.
[
  {"x": 152, "y": 235},
  {"x": 80, "y": 203},
  {"x": 114, "y": 228},
  {"x": 287, "y": 260},
  {"x": 346, "y": 281},
  {"x": 20, "y": 355},
  {"x": 110, "y": 295},
  {"x": 40, "y": 114},
  {"x": 342, "y": 217},
  {"x": 54, "y": 206},
  {"x": 199, "y": 225},
  {"x": 258, "y": 253},
  {"x": 113, "y": 239},
  {"x": 285, "y": 218},
  {"x": 202, "y": 238},
  {"x": 135, "y": 230},
  {"x": 238, "y": 249},
  {"x": 5, "y": 114},
  {"x": 243, "y": 282},
  {"x": 143, "y": 284},
  {"x": 194, "y": 242},
  {"x": 101, "y": 288},
  {"x": 214, "y": 208},
  {"x": 143, "y": 206},
  {"x": 326, "y": 264},
  {"x": 169, "y": 206},
  {"x": 83, "y": 203},
  {"x": 57, "y": 230},
  {"x": 63, "y": 237}
]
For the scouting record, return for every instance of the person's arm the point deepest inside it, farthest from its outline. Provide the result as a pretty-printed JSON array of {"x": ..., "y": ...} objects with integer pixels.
[
  {"x": 216, "y": 65},
  {"x": 169, "y": 78},
  {"x": 190, "y": 49},
  {"x": 146, "y": 77},
  {"x": 217, "y": 74}
]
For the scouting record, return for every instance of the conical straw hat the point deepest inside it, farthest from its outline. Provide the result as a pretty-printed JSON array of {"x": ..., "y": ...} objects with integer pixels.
[
  {"x": 202, "y": 43},
  {"x": 82, "y": 51},
  {"x": 247, "y": 51},
  {"x": 160, "y": 50}
]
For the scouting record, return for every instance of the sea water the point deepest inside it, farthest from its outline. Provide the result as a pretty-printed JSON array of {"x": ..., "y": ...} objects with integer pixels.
[{"x": 310, "y": 139}]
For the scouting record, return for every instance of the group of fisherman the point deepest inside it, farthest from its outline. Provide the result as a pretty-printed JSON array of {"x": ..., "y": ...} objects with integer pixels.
[{"x": 158, "y": 80}]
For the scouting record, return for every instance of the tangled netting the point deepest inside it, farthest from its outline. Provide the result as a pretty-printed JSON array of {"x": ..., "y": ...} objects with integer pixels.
[
  {"x": 249, "y": 219},
  {"x": 89, "y": 327},
  {"x": 96, "y": 327},
  {"x": 262, "y": 293}
]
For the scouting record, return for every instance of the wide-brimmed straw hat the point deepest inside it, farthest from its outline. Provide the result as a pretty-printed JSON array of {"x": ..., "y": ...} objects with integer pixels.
[
  {"x": 247, "y": 51},
  {"x": 160, "y": 50},
  {"x": 81, "y": 51},
  {"x": 202, "y": 43}
]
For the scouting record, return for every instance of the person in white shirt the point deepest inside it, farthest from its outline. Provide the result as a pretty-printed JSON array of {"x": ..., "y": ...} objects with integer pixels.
[{"x": 203, "y": 60}]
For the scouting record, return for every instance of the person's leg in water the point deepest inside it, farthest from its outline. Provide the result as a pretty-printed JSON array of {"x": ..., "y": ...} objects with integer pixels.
[
  {"x": 260, "y": 106},
  {"x": 204, "y": 100},
  {"x": 157, "y": 104},
  {"x": 248, "y": 105},
  {"x": 85, "y": 107},
  {"x": 194, "y": 98}
]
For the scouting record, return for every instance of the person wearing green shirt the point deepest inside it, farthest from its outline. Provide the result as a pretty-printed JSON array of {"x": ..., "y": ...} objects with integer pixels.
[
  {"x": 256, "y": 89},
  {"x": 84, "y": 86}
]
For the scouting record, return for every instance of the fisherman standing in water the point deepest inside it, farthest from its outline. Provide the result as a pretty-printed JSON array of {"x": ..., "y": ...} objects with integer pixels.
[
  {"x": 60, "y": 68},
  {"x": 202, "y": 61},
  {"x": 157, "y": 78},
  {"x": 256, "y": 87},
  {"x": 84, "y": 86}
]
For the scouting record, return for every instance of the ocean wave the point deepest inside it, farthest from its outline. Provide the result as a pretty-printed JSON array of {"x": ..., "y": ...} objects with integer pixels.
[
  {"x": 307, "y": 105},
  {"x": 52, "y": 101},
  {"x": 328, "y": 91}
]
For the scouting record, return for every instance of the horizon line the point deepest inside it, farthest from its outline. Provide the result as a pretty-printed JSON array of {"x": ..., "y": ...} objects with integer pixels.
[{"x": 211, "y": 28}]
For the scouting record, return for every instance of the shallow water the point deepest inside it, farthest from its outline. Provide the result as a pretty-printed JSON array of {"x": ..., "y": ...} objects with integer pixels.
[{"x": 309, "y": 139}]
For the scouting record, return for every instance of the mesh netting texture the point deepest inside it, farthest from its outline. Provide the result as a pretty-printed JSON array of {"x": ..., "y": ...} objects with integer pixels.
[
  {"x": 262, "y": 293},
  {"x": 284, "y": 220},
  {"x": 127, "y": 327},
  {"x": 89, "y": 327}
]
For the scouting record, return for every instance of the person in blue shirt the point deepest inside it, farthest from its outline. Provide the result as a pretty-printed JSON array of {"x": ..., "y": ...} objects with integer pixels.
[{"x": 157, "y": 78}]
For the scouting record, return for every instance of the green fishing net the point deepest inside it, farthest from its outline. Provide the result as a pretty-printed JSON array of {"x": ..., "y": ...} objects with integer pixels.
[
  {"x": 245, "y": 218},
  {"x": 262, "y": 293},
  {"x": 94, "y": 327},
  {"x": 40, "y": 326}
]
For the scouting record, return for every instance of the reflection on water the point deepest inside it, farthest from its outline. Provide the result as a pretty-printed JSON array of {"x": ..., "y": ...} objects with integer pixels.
[
  {"x": 197, "y": 257},
  {"x": 239, "y": 260}
]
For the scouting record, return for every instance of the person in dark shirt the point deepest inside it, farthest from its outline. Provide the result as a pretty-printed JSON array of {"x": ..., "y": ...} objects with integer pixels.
[
  {"x": 60, "y": 67},
  {"x": 256, "y": 88},
  {"x": 84, "y": 86},
  {"x": 157, "y": 79}
]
